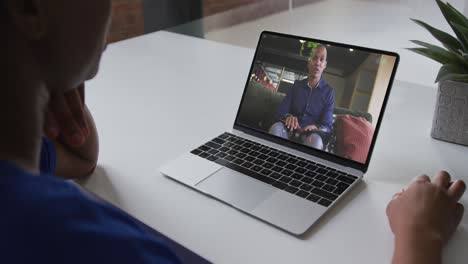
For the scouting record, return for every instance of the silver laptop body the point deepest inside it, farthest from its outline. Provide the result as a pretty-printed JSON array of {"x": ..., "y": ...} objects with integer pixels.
[{"x": 291, "y": 202}]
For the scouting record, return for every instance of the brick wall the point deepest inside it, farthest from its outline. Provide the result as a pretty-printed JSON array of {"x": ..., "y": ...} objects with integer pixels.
[{"x": 127, "y": 20}]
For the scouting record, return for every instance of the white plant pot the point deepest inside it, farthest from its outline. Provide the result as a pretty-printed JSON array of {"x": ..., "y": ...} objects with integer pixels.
[{"x": 450, "y": 121}]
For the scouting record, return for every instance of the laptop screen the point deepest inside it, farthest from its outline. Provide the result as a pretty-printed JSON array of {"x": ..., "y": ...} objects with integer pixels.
[{"x": 322, "y": 95}]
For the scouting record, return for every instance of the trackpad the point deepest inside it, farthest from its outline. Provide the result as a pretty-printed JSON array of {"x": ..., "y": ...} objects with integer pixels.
[{"x": 237, "y": 189}]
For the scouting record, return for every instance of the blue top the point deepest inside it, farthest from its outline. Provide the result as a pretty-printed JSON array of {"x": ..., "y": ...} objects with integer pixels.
[
  {"x": 45, "y": 219},
  {"x": 310, "y": 106}
]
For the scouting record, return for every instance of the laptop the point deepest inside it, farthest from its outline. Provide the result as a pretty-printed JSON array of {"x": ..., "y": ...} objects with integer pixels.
[{"x": 304, "y": 132}]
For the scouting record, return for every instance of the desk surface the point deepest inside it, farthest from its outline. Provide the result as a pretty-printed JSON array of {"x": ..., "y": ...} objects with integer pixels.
[{"x": 162, "y": 94}]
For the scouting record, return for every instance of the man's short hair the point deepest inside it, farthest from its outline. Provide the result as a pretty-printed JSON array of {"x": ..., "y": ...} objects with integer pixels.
[{"x": 320, "y": 46}]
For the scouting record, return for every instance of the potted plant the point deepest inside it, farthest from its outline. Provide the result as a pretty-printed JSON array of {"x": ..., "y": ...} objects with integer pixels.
[{"x": 450, "y": 121}]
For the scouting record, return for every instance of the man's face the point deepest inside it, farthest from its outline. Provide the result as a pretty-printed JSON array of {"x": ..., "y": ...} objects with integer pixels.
[
  {"x": 318, "y": 63},
  {"x": 74, "y": 39}
]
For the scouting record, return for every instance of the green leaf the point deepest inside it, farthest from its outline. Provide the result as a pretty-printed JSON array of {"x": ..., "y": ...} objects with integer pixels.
[
  {"x": 441, "y": 55},
  {"x": 446, "y": 39},
  {"x": 432, "y": 55},
  {"x": 449, "y": 72},
  {"x": 464, "y": 32},
  {"x": 453, "y": 16},
  {"x": 459, "y": 15}
]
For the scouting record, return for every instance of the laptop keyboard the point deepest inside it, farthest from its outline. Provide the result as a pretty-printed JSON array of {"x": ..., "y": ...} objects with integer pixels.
[{"x": 304, "y": 178}]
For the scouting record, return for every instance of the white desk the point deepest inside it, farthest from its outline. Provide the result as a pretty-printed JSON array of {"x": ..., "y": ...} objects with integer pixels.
[{"x": 162, "y": 94}]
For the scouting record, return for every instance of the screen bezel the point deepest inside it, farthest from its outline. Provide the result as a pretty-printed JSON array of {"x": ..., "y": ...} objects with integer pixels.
[{"x": 307, "y": 150}]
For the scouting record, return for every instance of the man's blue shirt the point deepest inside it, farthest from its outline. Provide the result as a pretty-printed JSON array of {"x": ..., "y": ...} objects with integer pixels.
[
  {"x": 311, "y": 106},
  {"x": 45, "y": 219}
]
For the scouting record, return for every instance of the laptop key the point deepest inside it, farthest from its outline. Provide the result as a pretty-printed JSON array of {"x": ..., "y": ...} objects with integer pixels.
[
  {"x": 311, "y": 167},
  {"x": 224, "y": 149},
  {"x": 339, "y": 190},
  {"x": 285, "y": 179},
  {"x": 275, "y": 175},
  {"x": 267, "y": 165},
  {"x": 342, "y": 185},
  {"x": 219, "y": 141},
  {"x": 237, "y": 147},
  {"x": 307, "y": 180},
  {"x": 280, "y": 185},
  {"x": 296, "y": 176},
  {"x": 230, "y": 158},
  {"x": 212, "y": 158},
  {"x": 286, "y": 172},
  {"x": 232, "y": 152},
  {"x": 272, "y": 160},
  {"x": 302, "y": 194},
  {"x": 250, "y": 173},
  {"x": 295, "y": 183},
  {"x": 241, "y": 155},
  {"x": 277, "y": 168},
  {"x": 321, "y": 171},
  {"x": 258, "y": 162},
  {"x": 324, "y": 202},
  {"x": 262, "y": 156},
  {"x": 247, "y": 145},
  {"x": 345, "y": 179},
  {"x": 310, "y": 174},
  {"x": 204, "y": 148},
  {"x": 245, "y": 150},
  {"x": 204, "y": 155},
  {"x": 318, "y": 184},
  {"x": 196, "y": 151},
  {"x": 266, "y": 172},
  {"x": 305, "y": 187},
  {"x": 281, "y": 163},
  {"x": 282, "y": 157},
  {"x": 292, "y": 160},
  {"x": 300, "y": 170},
  {"x": 321, "y": 178},
  {"x": 331, "y": 181},
  {"x": 213, "y": 151},
  {"x": 328, "y": 188},
  {"x": 221, "y": 155},
  {"x": 264, "y": 150},
  {"x": 291, "y": 189},
  {"x": 291, "y": 167},
  {"x": 254, "y": 153},
  {"x": 273, "y": 154},
  {"x": 247, "y": 165},
  {"x": 256, "y": 168},
  {"x": 324, "y": 194},
  {"x": 332, "y": 174},
  {"x": 301, "y": 164},
  {"x": 238, "y": 161},
  {"x": 224, "y": 136},
  {"x": 228, "y": 145},
  {"x": 213, "y": 145},
  {"x": 312, "y": 197},
  {"x": 256, "y": 148}
]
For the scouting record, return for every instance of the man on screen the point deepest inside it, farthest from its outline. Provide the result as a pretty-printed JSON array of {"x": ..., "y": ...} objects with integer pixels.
[{"x": 308, "y": 105}]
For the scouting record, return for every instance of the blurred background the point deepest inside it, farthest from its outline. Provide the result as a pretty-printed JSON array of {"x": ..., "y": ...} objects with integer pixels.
[
  {"x": 381, "y": 24},
  {"x": 136, "y": 17}
]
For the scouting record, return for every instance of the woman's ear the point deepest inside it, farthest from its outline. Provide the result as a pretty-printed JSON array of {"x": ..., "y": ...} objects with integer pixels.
[{"x": 27, "y": 16}]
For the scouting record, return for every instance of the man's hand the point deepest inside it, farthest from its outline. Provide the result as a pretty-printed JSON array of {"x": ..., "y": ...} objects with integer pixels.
[
  {"x": 311, "y": 127},
  {"x": 70, "y": 125},
  {"x": 424, "y": 216},
  {"x": 292, "y": 122},
  {"x": 66, "y": 117}
]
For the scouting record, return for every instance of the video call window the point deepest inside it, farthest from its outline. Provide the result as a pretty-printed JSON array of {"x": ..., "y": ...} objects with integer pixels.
[{"x": 322, "y": 96}]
